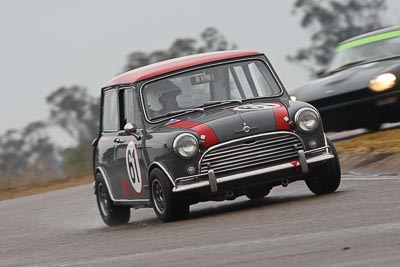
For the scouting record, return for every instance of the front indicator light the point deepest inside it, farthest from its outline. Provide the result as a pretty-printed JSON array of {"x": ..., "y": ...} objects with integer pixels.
[
  {"x": 382, "y": 82},
  {"x": 190, "y": 170},
  {"x": 312, "y": 144}
]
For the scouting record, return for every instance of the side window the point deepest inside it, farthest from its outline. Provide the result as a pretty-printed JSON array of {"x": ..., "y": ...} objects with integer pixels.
[
  {"x": 131, "y": 108},
  {"x": 110, "y": 111}
]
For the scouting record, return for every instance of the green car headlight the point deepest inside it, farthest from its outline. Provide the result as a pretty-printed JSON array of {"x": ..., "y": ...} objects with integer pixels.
[{"x": 382, "y": 82}]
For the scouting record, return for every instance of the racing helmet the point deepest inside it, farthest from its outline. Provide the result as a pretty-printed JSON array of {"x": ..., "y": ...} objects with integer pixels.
[{"x": 154, "y": 92}]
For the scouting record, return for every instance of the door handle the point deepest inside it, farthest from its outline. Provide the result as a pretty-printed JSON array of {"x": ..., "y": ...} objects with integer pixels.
[{"x": 119, "y": 141}]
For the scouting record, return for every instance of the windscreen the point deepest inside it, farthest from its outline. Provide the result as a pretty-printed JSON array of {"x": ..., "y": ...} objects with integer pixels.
[
  {"x": 239, "y": 80},
  {"x": 366, "y": 52}
]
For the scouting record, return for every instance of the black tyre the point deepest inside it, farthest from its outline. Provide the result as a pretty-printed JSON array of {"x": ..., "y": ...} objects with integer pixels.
[
  {"x": 326, "y": 177},
  {"x": 373, "y": 127},
  {"x": 167, "y": 205},
  {"x": 258, "y": 193},
  {"x": 372, "y": 123},
  {"x": 111, "y": 214}
]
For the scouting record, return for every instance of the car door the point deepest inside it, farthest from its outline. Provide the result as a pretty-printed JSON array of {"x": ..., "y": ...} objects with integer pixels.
[
  {"x": 106, "y": 145},
  {"x": 131, "y": 170}
]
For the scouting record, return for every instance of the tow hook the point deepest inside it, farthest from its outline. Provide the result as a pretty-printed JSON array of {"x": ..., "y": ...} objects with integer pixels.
[
  {"x": 213, "y": 181},
  {"x": 303, "y": 161}
]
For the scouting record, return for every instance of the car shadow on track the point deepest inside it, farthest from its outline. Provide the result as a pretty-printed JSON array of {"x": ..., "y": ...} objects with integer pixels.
[
  {"x": 214, "y": 209},
  {"x": 248, "y": 205}
]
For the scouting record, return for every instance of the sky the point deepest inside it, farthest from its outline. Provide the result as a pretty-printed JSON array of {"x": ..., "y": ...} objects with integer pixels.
[{"x": 46, "y": 44}]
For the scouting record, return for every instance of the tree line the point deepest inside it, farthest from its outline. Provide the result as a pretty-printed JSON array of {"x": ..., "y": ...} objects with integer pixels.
[{"x": 29, "y": 154}]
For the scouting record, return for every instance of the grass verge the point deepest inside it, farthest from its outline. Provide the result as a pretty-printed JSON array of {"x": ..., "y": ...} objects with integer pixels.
[
  {"x": 41, "y": 187},
  {"x": 387, "y": 141}
]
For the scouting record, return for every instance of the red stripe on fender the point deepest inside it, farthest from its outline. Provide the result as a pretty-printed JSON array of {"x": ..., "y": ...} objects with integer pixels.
[
  {"x": 280, "y": 113},
  {"x": 199, "y": 128},
  {"x": 204, "y": 129}
]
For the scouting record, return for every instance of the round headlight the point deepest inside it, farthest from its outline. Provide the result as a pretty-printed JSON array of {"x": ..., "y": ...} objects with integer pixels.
[
  {"x": 307, "y": 119},
  {"x": 382, "y": 82},
  {"x": 186, "y": 145}
]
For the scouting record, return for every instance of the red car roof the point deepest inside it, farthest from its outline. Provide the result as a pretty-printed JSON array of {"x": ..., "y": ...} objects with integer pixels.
[{"x": 175, "y": 64}]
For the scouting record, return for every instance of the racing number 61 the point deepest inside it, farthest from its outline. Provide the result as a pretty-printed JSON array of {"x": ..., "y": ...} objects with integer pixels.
[{"x": 132, "y": 165}]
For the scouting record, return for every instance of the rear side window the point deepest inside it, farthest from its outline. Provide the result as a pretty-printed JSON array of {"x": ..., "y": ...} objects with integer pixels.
[{"x": 110, "y": 111}]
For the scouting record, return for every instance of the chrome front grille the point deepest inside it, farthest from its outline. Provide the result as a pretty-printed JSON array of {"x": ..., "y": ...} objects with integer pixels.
[{"x": 262, "y": 149}]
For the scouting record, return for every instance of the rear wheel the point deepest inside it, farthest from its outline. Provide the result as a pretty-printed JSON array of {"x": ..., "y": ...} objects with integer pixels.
[
  {"x": 372, "y": 123},
  {"x": 326, "y": 177},
  {"x": 167, "y": 205},
  {"x": 258, "y": 193},
  {"x": 373, "y": 126},
  {"x": 111, "y": 214}
]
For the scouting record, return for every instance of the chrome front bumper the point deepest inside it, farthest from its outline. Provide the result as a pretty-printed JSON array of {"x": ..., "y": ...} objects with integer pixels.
[{"x": 303, "y": 161}]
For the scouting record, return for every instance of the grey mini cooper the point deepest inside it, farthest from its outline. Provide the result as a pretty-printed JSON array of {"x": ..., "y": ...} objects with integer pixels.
[{"x": 212, "y": 126}]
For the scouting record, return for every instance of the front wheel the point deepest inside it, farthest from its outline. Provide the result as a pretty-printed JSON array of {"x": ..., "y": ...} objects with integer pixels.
[
  {"x": 167, "y": 205},
  {"x": 326, "y": 177},
  {"x": 111, "y": 214}
]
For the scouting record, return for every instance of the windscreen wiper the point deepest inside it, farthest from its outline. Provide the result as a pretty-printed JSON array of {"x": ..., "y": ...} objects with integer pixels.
[
  {"x": 384, "y": 58},
  {"x": 346, "y": 66},
  {"x": 178, "y": 112},
  {"x": 219, "y": 103},
  {"x": 358, "y": 62},
  {"x": 258, "y": 98}
]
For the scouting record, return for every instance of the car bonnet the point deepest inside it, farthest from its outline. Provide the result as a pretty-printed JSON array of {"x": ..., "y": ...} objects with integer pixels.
[{"x": 222, "y": 124}]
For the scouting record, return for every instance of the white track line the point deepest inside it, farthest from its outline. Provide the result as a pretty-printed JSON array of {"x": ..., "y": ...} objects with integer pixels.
[{"x": 372, "y": 179}]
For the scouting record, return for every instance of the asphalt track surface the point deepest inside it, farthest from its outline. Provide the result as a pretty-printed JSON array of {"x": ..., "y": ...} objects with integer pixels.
[{"x": 357, "y": 226}]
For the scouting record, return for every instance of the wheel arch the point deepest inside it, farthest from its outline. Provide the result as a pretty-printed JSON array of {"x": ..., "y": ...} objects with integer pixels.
[
  {"x": 160, "y": 166},
  {"x": 102, "y": 172}
]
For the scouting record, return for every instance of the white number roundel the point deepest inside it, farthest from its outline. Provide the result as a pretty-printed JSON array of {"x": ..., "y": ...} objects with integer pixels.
[
  {"x": 132, "y": 165},
  {"x": 257, "y": 106}
]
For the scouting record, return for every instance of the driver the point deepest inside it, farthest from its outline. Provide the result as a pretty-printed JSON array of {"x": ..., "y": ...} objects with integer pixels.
[{"x": 165, "y": 93}]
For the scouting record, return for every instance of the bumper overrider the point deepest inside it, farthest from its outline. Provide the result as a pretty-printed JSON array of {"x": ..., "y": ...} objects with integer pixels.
[{"x": 212, "y": 178}]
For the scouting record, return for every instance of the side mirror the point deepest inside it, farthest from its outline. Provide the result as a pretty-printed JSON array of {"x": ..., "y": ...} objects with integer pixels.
[{"x": 131, "y": 129}]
